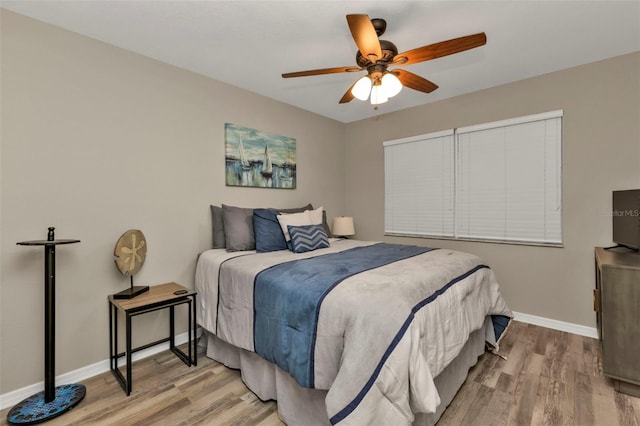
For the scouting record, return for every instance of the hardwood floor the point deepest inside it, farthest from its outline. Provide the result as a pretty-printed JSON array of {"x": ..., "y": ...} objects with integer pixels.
[
  {"x": 549, "y": 378},
  {"x": 167, "y": 392}
]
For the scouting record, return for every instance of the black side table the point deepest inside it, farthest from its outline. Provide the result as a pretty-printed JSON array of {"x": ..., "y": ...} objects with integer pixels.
[
  {"x": 158, "y": 297},
  {"x": 53, "y": 401}
]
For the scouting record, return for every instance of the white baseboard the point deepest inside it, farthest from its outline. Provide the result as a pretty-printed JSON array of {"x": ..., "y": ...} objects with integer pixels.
[
  {"x": 10, "y": 399},
  {"x": 581, "y": 330}
]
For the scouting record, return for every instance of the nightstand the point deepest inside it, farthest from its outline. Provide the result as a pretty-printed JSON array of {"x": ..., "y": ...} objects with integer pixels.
[{"x": 158, "y": 297}]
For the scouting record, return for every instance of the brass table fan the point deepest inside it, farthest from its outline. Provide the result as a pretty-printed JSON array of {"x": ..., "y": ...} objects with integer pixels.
[{"x": 130, "y": 253}]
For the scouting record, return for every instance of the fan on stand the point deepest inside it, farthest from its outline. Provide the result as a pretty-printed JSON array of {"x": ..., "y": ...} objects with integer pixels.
[
  {"x": 375, "y": 56},
  {"x": 130, "y": 253}
]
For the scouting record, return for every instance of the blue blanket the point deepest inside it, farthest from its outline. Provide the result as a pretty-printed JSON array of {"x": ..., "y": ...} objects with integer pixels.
[{"x": 288, "y": 296}]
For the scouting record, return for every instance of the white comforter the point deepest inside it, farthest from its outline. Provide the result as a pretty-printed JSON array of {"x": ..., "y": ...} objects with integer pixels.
[{"x": 376, "y": 351}]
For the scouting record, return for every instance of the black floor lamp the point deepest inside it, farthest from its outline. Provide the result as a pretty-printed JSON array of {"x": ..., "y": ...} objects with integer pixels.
[{"x": 53, "y": 401}]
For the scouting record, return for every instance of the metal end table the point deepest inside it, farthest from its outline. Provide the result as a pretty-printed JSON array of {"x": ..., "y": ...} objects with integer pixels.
[{"x": 158, "y": 297}]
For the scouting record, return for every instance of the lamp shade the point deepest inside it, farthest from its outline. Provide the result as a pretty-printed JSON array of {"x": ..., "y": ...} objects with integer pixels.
[
  {"x": 378, "y": 96},
  {"x": 362, "y": 88},
  {"x": 343, "y": 226},
  {"x": 391, "y": 85}
]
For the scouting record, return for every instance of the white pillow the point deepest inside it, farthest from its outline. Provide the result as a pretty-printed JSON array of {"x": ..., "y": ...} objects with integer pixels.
[
  {"x": 316, "y": 216},
  {"x": 307, "y": 217},
  {"x": 293, "y": 219}
]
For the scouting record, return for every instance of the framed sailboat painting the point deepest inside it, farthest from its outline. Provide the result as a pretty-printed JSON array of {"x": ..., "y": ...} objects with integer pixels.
[{"x": 259, "y": 159}]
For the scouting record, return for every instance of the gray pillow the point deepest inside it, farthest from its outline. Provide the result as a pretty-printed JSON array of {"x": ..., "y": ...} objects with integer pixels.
[
  {"x": 218, "y": 227},
  {"x": 325, "y": 225},
  {"x": 219, "y": 237},
  {"x": 295, "y": 210},
  {"x": 238, "y": 228}
]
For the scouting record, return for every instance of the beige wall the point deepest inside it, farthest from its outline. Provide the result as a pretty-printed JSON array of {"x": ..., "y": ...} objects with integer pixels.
[
  {"x": 97, "y": 140},
  {"x": 601, "y": 152}
]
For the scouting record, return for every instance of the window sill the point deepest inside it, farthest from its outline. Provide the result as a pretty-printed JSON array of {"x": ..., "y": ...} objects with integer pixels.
[{"x": 477, "y": 240}]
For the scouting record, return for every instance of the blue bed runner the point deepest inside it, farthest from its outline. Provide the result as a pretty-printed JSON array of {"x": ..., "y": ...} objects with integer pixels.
[{"x": 287, "y": 299}]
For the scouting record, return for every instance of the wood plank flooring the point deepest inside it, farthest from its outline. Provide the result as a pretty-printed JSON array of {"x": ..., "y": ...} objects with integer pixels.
[{"x": 549, "y": 378}]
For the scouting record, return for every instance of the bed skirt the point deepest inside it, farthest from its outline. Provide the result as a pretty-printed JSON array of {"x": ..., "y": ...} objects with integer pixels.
[{"x": 269, "y": 382}]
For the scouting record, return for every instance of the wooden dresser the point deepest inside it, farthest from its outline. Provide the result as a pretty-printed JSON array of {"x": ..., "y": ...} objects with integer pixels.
[{"x": 617, "y": 304}]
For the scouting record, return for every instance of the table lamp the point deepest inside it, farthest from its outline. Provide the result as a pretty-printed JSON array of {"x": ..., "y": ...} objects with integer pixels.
[{"x": 343, "y": 226}]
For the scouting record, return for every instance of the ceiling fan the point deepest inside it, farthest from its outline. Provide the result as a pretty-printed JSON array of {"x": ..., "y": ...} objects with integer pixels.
[{"x": 375, "y": 56}]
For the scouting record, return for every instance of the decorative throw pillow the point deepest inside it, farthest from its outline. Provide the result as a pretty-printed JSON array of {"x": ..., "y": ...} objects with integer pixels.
[
  {"x": 308, "y": 238},
  {"x": 238, "y": 228},
  {"x": 218, "y": 227},
  {"x": 269, "y": 235},
  {"x": 294, "y": 219}
]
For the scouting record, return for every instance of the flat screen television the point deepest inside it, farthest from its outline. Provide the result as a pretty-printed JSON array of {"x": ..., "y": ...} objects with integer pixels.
[{"x": 626, "y": 218}]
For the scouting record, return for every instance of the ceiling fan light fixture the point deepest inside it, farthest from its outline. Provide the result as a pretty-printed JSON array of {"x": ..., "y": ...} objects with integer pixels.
[
  {"x": 375, "y": 56},
  {"x": 378, "y": 95},
  {"x": 362, "y": 88},
  {"x": 391, "y": 85}
]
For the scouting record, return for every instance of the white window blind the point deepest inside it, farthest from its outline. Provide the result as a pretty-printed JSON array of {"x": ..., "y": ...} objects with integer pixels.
[
  {"x": 508, "y": 176},
  {"x": 419, "y": 185},
  {"x": 498, "y": 181}
]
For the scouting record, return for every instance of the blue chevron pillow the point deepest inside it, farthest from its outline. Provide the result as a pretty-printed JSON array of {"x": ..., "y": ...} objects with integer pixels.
[{"x": 307, "y": 238}]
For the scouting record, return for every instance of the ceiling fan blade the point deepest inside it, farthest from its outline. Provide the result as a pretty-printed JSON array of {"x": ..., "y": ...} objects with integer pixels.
[
  {"x": 348, "y": 96},
  {"x": 364, "y": 34},
  {"x": 438, "y": 50},
  {"x": 320, "y": 72},
  {"x": 413, "y": 81}
]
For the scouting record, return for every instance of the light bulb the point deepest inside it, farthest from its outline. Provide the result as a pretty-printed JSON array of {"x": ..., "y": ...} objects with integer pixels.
[
  {"x": 391, "y": 85},
  {"x": 377, "y": 95},
  {"x": 362, "y": 88}
]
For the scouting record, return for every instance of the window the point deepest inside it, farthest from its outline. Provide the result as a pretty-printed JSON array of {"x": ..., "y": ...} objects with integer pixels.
[
  {"x": 498, "y": 181},
  {"x": 419, "y": 185}
]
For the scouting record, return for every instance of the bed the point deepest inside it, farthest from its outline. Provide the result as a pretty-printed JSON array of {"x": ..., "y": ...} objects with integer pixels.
[{"x": 350, "y": 332}]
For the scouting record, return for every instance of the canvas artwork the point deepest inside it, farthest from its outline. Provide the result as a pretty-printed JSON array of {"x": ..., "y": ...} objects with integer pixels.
[{"x": 260, "y": 159}]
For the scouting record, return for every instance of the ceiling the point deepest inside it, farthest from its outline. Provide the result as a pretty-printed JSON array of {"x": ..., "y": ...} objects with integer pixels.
[{"x": 249, "y": 44}]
